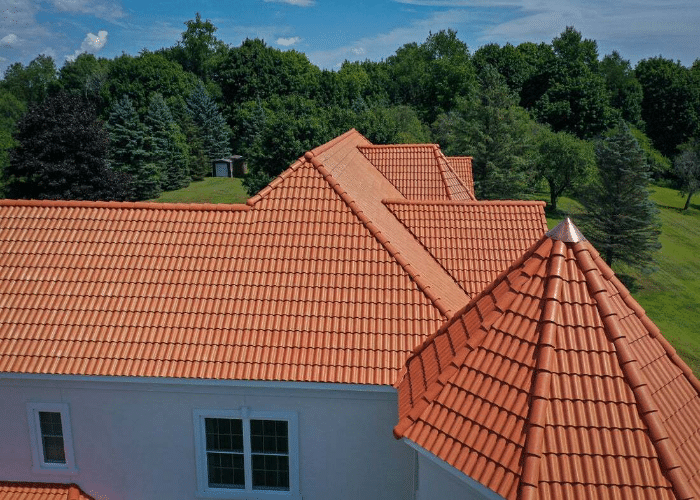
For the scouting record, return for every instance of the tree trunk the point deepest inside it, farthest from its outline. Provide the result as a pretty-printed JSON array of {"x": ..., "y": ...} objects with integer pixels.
[
  {"x": 687, "y": 200},
  {"x": 553, "y": 196}
]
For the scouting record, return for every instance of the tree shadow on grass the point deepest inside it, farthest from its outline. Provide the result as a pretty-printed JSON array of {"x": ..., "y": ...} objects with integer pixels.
[{"x": 630, "y": 282}]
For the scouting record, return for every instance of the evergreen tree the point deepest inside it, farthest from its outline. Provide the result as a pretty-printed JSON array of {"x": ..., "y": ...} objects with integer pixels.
[
  {"x": 62, "y": 154},
  {"x": 621, "y": 220},
  {"x": 127, "y": 153},
  {"x": 214, "y": 132},
  {"x": 497, "y": 133},
  {"x": 165, "y": 145}
]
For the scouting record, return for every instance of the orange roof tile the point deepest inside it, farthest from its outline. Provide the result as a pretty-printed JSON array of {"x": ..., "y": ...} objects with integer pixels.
[
  {"x": 462, "y": 166},
  {"x": 10, "y": 490},
  {"x": 304, "y": 283},
  {"x": 474, "y": 240},
  {"x": 553, "y": 383},
  {"x": 419, "y": 171}
]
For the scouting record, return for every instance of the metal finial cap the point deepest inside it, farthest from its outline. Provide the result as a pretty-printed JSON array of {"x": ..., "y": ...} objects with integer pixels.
[{"x": 567, "y": 232}]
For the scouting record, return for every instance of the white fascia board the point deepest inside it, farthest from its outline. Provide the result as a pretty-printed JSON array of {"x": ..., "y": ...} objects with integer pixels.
[
  {"x": 167, "y": 381},
  {"x": 472, "y": 483}
]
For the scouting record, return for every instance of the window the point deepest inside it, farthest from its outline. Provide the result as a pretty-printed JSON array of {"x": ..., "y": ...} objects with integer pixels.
[
  {"x": 239, "y": 452},
  {"x": 52, "y": 444}
]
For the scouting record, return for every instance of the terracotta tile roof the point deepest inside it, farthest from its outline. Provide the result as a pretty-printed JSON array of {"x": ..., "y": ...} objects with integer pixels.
[
  {"x": 462, "y": 166},
  {"x": 10, "y": 490},
  {"x": 474, "y": 240},
  {"x": 302, "y": 284},
  {"x": 553, "y": 383},
  {"x": 419, "y": 171}
]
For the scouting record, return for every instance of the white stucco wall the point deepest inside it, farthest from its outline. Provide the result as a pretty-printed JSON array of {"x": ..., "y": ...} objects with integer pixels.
[
  {"x": 136, "y": 439},
  {"x": 436, "y": 480}
]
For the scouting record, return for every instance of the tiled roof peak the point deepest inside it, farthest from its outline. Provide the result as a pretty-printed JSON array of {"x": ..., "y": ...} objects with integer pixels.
[
  {"x": 567, "y": 232},
  {"x": 551, "y": 372}
]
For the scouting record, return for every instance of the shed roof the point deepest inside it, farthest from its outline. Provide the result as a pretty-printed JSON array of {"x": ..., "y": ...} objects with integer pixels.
[{"x": 553, "y": 383}]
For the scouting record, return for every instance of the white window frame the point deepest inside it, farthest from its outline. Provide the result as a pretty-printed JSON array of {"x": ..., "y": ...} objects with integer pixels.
[
  {"x": 246, "y": 415},
  {"x": 40, "y": 464}
]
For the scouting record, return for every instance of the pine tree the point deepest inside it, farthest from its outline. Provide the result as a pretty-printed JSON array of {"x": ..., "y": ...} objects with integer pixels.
[
  {"x": 497, "y": 133},
  {"x": 621, "y": 220},
  {"x": 165, "y": 145},
  {"x": 127, "y": 153},
  {"x": 62, "y": 154},
  {"x": 215, "y": 133}
]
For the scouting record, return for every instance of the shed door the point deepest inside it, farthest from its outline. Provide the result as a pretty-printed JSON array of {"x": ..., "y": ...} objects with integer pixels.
[{"x": 221, "y": 170}]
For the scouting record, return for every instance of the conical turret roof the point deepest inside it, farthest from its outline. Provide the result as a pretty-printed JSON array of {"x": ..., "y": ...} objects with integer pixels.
[{"x": 553, "y": 383}]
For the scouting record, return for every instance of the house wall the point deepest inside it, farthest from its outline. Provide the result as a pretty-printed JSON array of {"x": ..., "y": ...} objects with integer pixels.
[
  {"x": 136, "y": 439},
  {"x": 438, "y": 481}
]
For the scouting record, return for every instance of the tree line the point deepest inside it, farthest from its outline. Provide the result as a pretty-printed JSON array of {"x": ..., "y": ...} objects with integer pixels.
[{"x": 531, "y": 115}]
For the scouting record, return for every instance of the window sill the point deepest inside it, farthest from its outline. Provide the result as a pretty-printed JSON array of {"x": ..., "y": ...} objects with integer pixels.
[
  {"x": 249, "y": 495},
  {"x": 55, "y": 470}
]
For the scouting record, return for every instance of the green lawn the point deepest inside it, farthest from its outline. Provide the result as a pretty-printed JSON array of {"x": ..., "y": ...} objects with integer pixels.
[
  {"x": 671, "y": 295},
  {"x": 210, "y": 190}
]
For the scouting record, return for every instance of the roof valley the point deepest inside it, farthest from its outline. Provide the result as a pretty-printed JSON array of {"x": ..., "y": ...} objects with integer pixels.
[{"x": 414, "y": 274}]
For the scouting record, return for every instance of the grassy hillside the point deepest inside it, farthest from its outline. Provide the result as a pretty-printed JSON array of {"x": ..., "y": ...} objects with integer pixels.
[
  {"x": 671, "y": 295},
  {"x": 210, "y": 190}
]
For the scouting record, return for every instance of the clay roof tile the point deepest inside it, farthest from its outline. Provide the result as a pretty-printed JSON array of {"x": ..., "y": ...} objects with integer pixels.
[{"x": 595, "y": 418}]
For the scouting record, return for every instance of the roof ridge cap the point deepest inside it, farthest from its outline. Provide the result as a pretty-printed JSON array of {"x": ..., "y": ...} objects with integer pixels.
[
  {"x": 541, "y": 385},
  {"x": 379, "y": 236},
  {"x": 653, "y": 330},
  {"x": 646, "y": 408},
  {"x": 426, "y": 145},
  {"x": 442, "y": 169},
  {"x": 406, "y": 201},
  {"x": 275, "y": 182},
  {"x": 445, "y": 166},
  {"x": 127, "y": 205}
]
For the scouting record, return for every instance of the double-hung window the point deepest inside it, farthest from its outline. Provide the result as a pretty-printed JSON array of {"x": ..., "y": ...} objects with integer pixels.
[
  {"x": 240, "y": 452},
  {"x": 51, "y": 440}
]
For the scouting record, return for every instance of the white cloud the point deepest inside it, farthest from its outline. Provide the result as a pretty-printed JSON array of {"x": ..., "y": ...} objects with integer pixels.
[
  {"x": 298, "y": 3},
  {"x": 385, "y": 44},
  {"x": 286, "y": 42},
  {"x": 92, "y": 43},
  {"x": 102, "y": 9},
  {"x": 10, "y": 41}
]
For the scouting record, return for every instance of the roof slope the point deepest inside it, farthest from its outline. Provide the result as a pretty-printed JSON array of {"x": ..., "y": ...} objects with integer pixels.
[
  {"x": 474, "y": 240},
  {"x": 462, "y": 166},
  {"x": 10, "y": 490},
  {"x": 419, "y": 171},
  {"x": 553, "y": 383},
  {"x": 297, "y": 286}
]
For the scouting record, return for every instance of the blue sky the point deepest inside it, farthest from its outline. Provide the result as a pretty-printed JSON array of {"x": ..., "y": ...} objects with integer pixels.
[{"x": 329, "y": 32}]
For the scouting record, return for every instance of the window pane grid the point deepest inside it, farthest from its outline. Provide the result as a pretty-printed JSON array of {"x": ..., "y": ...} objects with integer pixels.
[
  {"x": 52, "y": 437},
  {"x": 247, "y": 454},
  {"x": 270, "y": 472},
  {"x": 225, "y": 470}
]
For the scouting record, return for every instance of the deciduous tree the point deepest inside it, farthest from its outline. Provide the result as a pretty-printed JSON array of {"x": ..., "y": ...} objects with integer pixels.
[
  {"x": 687, "y": 168},
  {"x": 564, "y": 160},
  {"x": 62, "y": 154}
]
